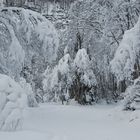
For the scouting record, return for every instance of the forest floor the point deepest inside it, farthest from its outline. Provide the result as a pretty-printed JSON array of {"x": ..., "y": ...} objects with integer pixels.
[{"x": 58, "y": 122}]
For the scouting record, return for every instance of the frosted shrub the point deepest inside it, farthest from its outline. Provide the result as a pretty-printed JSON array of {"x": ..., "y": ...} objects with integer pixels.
[{"x": 12, "y": 102}]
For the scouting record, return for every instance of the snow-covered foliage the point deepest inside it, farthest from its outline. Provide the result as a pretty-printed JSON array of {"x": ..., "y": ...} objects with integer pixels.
[
  {"x": 28, "y": 41},
  {"x": 82, "y": 66},
  {"x": 25, "y": 34},
  {"x": 98, "y": 26},
  {"x": 58, "y": 80},
  {"x": 125, "y": 64},
  {"x": 132, "y": 96},
  {"x": 70, "y": 78},
  {"x": 29, "y": 92},
  {"x": 12, "y": 102}
]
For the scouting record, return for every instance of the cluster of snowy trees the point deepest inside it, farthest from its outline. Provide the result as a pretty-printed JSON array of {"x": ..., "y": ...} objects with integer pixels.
[
  {"x": 98, "y": 26},
  {"x": 71, "y": 78},
  {"x": 95, "y": 57},
  {"x": 28, "y": 42},
  {"x": 82, "y": 66}
]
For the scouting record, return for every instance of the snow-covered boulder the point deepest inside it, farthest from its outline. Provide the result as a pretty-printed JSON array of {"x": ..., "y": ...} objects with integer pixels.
[
  {"x": 12, "y": 102},
  {"x": 23, "y": 35},
  {"x": 126, "y": 59}
]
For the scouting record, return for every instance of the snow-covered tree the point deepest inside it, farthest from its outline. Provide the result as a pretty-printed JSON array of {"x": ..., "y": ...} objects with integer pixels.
[
  {"x": 13, "y": 99},
  {"x": 84, "y": 79},
  {"x": 84, "y": 26},
  {"x": 126, "y": 65},
  {"x": 58, "y": 79},
  {"x": 28, "y": 41},
  {"x": 126, "y": 61}
]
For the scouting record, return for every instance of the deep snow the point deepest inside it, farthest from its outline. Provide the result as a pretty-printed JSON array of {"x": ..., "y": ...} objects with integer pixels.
[{"x": 57, "y": 122}]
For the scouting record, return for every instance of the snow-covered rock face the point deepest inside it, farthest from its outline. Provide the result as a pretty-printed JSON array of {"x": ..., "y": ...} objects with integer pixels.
[
  {"x": 127, "y": 55},
  {"x": 12, "y": 102},
  {"x": 24, "y": 33}
]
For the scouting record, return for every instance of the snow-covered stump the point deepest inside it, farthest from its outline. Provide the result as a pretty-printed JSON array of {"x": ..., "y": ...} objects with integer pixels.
[{"x": 12, "y": 103}]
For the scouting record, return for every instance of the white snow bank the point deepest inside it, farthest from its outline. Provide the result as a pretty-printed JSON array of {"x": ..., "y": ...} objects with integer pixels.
[{"x": 12, "y": 102}]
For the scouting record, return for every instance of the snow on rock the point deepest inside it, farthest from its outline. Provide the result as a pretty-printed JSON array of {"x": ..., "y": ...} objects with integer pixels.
[
  {"x": 126, "y": 55},
  {"x": 24, "y": 34},
  {"x": 12, "y": 102}
]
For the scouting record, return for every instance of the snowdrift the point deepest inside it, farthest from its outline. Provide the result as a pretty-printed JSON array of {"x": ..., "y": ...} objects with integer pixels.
[
  {"x": 12, "y": 102},
  {"x": 24, "y": 34}
]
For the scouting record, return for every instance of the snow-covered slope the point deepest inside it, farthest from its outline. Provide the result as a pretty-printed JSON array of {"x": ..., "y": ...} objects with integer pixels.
[
  {"x": 24, "y": 34},
  {"x": 127, "y": 55}
]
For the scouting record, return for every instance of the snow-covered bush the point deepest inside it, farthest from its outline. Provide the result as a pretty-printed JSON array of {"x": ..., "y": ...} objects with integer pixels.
[
  {"x": 132, "y": 96},
  {"x": 12, "y": 102},
  {"x": 29, "y": 92}
]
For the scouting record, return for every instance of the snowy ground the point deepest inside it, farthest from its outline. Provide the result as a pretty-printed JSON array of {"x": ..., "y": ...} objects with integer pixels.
[{"x": 57, "y": 122}]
